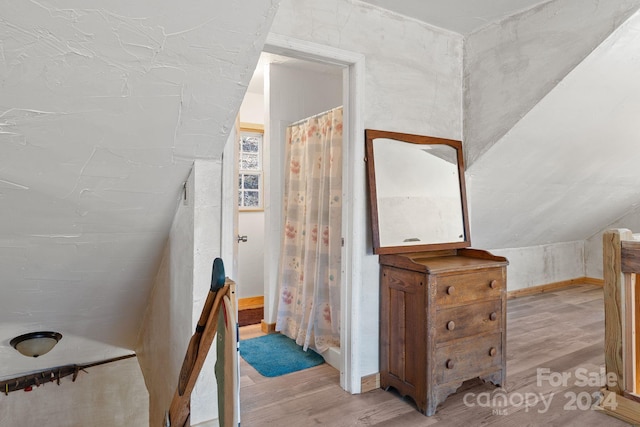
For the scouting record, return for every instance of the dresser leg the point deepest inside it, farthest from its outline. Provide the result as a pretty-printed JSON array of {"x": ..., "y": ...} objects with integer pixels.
[
  {"x": 497, "y": 378},
  {"x": 440, "y": 395},
  {"x": 431, "y": 409}
]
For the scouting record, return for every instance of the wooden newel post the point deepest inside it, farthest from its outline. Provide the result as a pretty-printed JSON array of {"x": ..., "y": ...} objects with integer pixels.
[
  {"x": 621, "y": 265},
  {"x": 614, "y": 303}
]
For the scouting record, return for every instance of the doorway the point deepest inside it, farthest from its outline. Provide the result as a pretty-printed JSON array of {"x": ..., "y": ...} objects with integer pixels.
[
  {"x": 353, "y": 229},
  {"x": 283, "y": 90}
]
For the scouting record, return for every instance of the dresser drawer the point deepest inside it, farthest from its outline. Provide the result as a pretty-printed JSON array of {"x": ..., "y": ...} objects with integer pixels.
[
  {"x": 467, "y": 320},
  {"x": 468, "y": 358},
  {"x": 462, "y": 288}
]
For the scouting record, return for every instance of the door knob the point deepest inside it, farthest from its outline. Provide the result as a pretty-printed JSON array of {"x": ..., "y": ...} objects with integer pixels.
[{"x": 242, "y": 238}]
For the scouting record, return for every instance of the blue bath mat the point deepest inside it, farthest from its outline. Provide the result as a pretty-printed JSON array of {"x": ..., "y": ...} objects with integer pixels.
[{"x": 275, "y": 354}]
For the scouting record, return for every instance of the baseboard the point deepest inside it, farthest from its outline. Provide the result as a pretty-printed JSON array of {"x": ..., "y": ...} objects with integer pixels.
[
  {"x": 370, "y": 382},
  {"x": 210, "y": 423},
  {"x": 594, "y": 281},
  {"x": 267, "y": 328},
  {"x": 517, "y": 293},
  {"x": 332, "y": 356}
]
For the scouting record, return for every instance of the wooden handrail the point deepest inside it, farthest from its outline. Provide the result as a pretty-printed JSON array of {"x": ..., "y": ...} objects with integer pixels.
[
  {"x": 621, "y": 263},
  {"x": 180, "y": 410},
  {"x": 180, "y": 405},
  {"x": 52, "y": 374},
  {"x": 614, "y": 304}
]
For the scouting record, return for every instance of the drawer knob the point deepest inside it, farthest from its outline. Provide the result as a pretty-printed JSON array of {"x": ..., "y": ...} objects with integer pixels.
[
  {"x": 492, "y": 351},
  {"x": 449, "y": 364},
  {"x": 451, "y": 290},
  {"x": 451, "y": 325},
  {"x": 493, "y": 284},
  {"x": 493, "y": 316}
]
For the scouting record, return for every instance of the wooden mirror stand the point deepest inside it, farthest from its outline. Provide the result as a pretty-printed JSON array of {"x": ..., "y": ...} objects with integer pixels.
[{"x": 442, "y": 304}]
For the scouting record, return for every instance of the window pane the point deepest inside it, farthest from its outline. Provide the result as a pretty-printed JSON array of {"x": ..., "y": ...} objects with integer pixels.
[
  {"x": 250, "y": 165},
  {"x": 251, "y": 182},
  {"x": 250, "y": 143},
  {"x": 249, "y": 161},
  {"x": 251, "y": 198}
]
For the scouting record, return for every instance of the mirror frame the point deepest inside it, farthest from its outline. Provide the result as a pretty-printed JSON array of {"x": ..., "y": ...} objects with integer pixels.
[{"x": 370, "y": 135}]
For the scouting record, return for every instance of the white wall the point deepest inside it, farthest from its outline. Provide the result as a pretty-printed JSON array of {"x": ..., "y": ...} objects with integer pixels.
[
  {"x": 544, "y": 264},
  {"x": 252, "y": 108},
  {"x": 413, "y": 81},
  {"x": 413, "y": 70},
  {"x": 166, "y": 327},
  {"x": 593, "y": 245},
  {"x": 207, "y": 238},
  {"x": 182, "y": 283},
  {"x": 108, "y": 395}
]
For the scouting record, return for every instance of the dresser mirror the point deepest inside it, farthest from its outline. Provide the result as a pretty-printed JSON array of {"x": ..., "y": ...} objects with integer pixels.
[
  {"x": 417, "y": 192},
  {"x": 441, "y": 302}
]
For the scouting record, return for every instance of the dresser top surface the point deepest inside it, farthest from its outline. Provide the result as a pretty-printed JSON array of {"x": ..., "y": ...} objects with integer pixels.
[{"x": 452, "y": 261}]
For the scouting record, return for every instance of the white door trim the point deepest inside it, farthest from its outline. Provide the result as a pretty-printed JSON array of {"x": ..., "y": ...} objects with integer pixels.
[{"x": 354, "y": 205}]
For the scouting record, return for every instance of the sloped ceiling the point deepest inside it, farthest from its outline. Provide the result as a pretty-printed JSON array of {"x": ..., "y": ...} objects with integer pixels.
[
  {"x": 570, "y": 166},
  {"x": 103, "y": 109},
  {"x": 460, "y": 16}
]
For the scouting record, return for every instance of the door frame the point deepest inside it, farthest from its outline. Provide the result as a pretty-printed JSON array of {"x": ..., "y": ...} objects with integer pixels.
[{"x": 353, "y": 209}]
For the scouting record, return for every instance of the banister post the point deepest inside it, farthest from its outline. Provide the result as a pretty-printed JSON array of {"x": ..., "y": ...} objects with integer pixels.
[{"x": 614, "y": 305}]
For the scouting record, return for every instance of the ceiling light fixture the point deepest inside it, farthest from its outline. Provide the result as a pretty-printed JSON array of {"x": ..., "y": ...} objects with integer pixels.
[{"x": 36, "y": 344}]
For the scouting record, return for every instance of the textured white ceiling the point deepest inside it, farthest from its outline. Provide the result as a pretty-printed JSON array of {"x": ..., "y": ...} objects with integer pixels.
[
  {"x": 102, "y": 113},
  {"x": 460, "y": 16},
  {"x": 570, "y": 166}
]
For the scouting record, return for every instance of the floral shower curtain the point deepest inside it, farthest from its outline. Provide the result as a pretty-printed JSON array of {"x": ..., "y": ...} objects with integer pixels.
[{"x": 309, "y": 273}]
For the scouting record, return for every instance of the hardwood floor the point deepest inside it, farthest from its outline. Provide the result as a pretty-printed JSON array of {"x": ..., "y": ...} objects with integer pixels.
[
  {"x": 251, "y": 331},
  {"x": 560, "y": 331}
]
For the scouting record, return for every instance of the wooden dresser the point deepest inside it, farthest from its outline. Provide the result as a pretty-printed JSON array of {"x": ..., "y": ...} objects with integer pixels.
[
  {"x": 442, "y": 304},
  {"x": 442, "y": 322}
]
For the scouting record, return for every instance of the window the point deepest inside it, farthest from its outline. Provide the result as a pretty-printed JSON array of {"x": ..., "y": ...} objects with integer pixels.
[{"x": 250, "y": 169}]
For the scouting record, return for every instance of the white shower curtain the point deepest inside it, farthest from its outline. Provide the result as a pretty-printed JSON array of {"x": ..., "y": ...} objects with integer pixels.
[{"x": 309, "y": 273}]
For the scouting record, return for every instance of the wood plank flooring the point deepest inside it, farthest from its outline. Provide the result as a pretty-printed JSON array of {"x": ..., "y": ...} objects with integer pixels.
[{"x": 562, "y": 331}]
